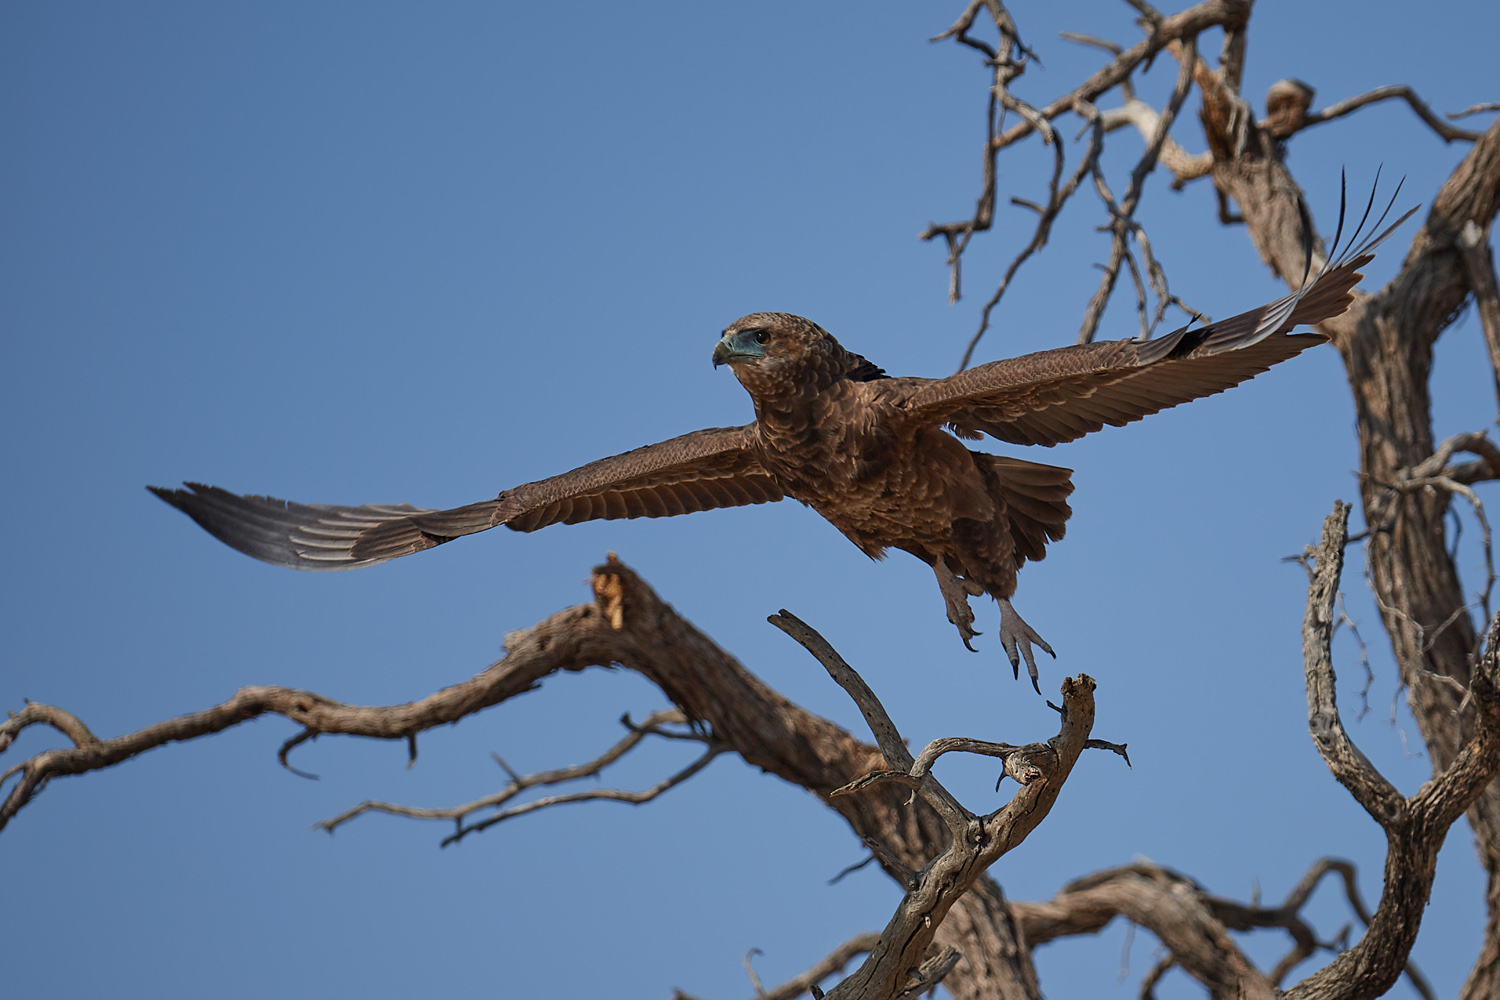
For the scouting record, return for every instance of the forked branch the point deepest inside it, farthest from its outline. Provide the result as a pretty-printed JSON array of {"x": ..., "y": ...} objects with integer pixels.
[
  {"x": 1446, "y": 132},
  {"x": 1193, "y": 924},
  {"x": 1008, "y": 60},
  {"x": 519, "y": 783},
  {"x": 977, "y": 841},
  {"x": 1415, "y": 827},
  {"x": 1287, "y": 112}
]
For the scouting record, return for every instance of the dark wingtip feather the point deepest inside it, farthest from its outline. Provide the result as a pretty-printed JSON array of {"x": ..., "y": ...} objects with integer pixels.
[
  {"x": 267, "y": 528},
  {"x": 1328, "y": 294}
]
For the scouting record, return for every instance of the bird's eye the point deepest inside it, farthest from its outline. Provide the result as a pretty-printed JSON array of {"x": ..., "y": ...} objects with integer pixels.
[{"x": 762, "y": 336}]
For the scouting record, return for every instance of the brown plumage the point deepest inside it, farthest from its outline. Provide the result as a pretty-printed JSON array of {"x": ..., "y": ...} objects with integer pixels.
[{"x": 874, "y": 455}]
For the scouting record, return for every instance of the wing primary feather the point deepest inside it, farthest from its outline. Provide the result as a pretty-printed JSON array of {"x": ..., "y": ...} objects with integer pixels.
[
  {"x": 1305, "y": 218},
  {"x": 277, "y": 531},
  {"x": 714, "y": 467}
]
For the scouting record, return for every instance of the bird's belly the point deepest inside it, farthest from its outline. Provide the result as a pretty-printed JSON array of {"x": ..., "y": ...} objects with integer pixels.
[
  {"x": 883, "y": 490},
  {"x": 905, "y": 507}
]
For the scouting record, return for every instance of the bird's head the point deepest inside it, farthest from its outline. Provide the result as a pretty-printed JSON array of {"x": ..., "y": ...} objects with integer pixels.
[{"x": 778, "y": 354}]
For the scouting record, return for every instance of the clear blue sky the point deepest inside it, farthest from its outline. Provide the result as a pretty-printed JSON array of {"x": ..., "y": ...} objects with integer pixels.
[{"x": 384, "y": 252}]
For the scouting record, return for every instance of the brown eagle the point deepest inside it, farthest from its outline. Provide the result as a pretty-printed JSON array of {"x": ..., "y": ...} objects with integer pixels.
[{"x": 873, "y": 454}]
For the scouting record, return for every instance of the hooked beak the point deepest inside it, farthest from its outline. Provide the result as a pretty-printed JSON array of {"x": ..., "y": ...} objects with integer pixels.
[{"x": 738, "y": 346}]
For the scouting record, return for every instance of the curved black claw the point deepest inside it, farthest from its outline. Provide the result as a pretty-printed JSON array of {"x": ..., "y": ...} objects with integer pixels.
[
  {"x": 956, "y": 594},
  {"x": 1018, "y": 637}
]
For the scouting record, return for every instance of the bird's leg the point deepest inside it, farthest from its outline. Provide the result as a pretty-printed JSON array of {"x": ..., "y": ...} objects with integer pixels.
[
  {"x": 1015, "y": 632},
  {"x": 956, "y": 594}
]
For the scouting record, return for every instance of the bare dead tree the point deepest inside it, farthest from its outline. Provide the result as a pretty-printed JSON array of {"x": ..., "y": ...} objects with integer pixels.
[
  {"x": 954, "y": 925},
  {"x": 1408, "y": 479}
]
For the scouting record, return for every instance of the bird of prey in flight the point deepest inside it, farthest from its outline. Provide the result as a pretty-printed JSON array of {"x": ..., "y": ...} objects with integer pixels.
[{"x": 879, "y": 457}]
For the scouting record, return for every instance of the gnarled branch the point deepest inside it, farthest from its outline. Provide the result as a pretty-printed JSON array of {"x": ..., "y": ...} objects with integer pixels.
[{"x": 1415, "y": 827}]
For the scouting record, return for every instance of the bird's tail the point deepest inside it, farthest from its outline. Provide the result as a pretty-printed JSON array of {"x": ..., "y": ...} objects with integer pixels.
[{"x": 1035, "y": 498}]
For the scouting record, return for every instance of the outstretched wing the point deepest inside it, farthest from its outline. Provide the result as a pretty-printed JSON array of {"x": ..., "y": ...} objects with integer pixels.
[
  {"x": 1055, "y": 396},
  {"x": 715, "y": 467}
]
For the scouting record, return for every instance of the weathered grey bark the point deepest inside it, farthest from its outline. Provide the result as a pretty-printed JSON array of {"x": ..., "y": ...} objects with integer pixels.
[
  {"x": 1386, "y": 342},
  {"x": 786, "y": 740},
  {"x": 1415, "y": 826},
  {"x": 628, "y": 625}
]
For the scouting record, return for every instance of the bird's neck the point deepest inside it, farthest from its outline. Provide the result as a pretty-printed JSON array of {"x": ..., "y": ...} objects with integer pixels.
[{"x": 796, "y": 412}]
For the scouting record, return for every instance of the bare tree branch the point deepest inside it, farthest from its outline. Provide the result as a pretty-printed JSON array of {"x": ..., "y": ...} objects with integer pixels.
[
  {"x": 1479, "y": 266},
  {"x": 35, "y": 714},
  {"x": 959, "y": 30},
  {"x": 1008, "y": 61},
  {"x": 945, "y": 879},
  {"x": 1145, "y": 893},
  {"x": 1228, "y": 14},
  {"x": 628, "y": 626},
  {"x": 1385, "y": 341},
  {"x": 520, "y": 783},
  {"x": 885, "y": 732},
  {"x": 1450, "y": 485},
  {"x": 1185, "y": 166},
  {"x": 1415, "y": 828},
  {"x": 1122, "y": 219},
  {"x": 1473, "y": 443},
  {"x": 315, "y": 713},
  {"x": 1475, "y": 109},
  {"x": 1154, "y": 975},
  {"x": 1057, "y": 197},
  {"x": 834, "y": 962},
  {"x": 975, "y": 843},
  {"x": 930, "y": 974},
  {"x": 1352, "y": 769},
  {"x": 1445, "y": 131},
  {"x": 1167, "y": 904},
  {"x": 1025, "y": 764}
]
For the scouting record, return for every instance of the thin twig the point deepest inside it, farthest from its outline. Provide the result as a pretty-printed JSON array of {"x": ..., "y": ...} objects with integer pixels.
[
  {"x": 1122, "y": 219},
  {"x": 1446, "y": 132},
  {"x": 1475, "y": 109},
  {"x": 521, "y": 782},
  {"x": 1057, "y": 197},
  {"x": 887, "y": 736},
  {"x": 833, "y": 962}
]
